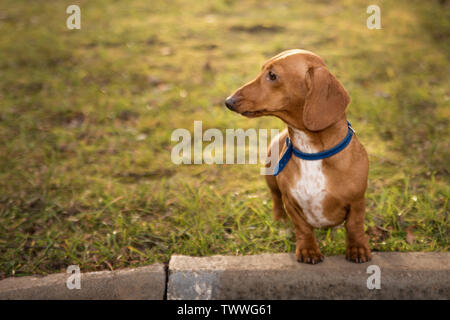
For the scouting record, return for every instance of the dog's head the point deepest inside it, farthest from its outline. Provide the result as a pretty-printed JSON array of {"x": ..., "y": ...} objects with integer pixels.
[{"x": 295, "y": 86}]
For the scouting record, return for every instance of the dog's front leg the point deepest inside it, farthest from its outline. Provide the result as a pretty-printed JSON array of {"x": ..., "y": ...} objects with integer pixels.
[
  {"x": 278, "y": 209},
  {"x": 357, "y": 243},
  {"x": 307, "y": 249}
]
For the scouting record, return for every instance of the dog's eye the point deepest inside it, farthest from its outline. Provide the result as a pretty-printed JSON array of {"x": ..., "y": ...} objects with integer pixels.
[{"x": 271, "y": 76}]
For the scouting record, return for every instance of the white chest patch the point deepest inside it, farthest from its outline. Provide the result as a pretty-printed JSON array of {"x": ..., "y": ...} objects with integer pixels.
[{"x": 309, "y": 191}]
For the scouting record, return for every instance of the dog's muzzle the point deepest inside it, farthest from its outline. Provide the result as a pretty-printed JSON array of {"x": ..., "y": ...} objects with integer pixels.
[{"x": 230, "y": 103}]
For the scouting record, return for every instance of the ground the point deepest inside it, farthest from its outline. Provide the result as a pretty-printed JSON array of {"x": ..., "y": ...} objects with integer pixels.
[{"x": 86, "y": 118}]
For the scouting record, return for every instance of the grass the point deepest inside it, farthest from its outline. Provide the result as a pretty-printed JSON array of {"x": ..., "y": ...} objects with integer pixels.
[{"x": 86, "y": 119}]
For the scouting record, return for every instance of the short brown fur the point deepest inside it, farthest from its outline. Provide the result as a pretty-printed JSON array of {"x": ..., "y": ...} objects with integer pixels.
[{"x": 307, "y": 97}]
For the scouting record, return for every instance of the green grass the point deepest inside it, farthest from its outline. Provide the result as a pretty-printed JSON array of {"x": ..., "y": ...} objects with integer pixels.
[{"x": 86, "y": 118}]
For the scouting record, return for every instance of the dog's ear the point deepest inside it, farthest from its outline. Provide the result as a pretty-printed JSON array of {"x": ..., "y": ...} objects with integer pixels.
[{"x": 325, "y": 101}]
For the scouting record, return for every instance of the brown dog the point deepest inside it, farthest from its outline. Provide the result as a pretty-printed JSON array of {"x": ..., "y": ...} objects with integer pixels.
[{"x": 297, "y": 87}]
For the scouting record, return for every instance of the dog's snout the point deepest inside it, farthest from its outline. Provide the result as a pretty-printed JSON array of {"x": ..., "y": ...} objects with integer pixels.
[{"x": 230, "y": 102}]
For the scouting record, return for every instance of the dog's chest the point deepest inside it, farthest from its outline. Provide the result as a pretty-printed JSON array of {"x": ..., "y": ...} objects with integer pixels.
[{"x": 310, "y": 189}]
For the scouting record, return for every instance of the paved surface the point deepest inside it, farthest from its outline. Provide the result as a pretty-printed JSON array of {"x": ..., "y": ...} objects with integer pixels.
[
  {"x": 141, "y": 283},
  {"x": 280, "y": 276},
  {"x": 268, "y": 276}
]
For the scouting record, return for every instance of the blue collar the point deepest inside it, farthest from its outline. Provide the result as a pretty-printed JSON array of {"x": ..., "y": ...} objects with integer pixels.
[{"x": 312, "y": 156}]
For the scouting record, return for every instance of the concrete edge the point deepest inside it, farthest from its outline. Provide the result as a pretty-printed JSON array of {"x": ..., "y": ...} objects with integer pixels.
[
  {"x": 411, "y": 275},
  {"x": 143, "y": 283}
]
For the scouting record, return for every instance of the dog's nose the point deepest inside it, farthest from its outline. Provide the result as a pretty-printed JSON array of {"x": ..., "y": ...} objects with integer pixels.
[{"x": 230, "y": 103}]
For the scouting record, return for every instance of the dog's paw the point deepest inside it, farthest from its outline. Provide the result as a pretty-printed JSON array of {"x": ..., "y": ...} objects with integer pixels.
[
  {"x": 358, "y": 253},
  {"x": 309, "y": 255}
]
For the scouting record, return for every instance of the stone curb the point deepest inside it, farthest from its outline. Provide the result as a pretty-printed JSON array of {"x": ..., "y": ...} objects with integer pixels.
[
  {"x": 413, "y": 275},
  {"x": 144, "y": 283}
]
